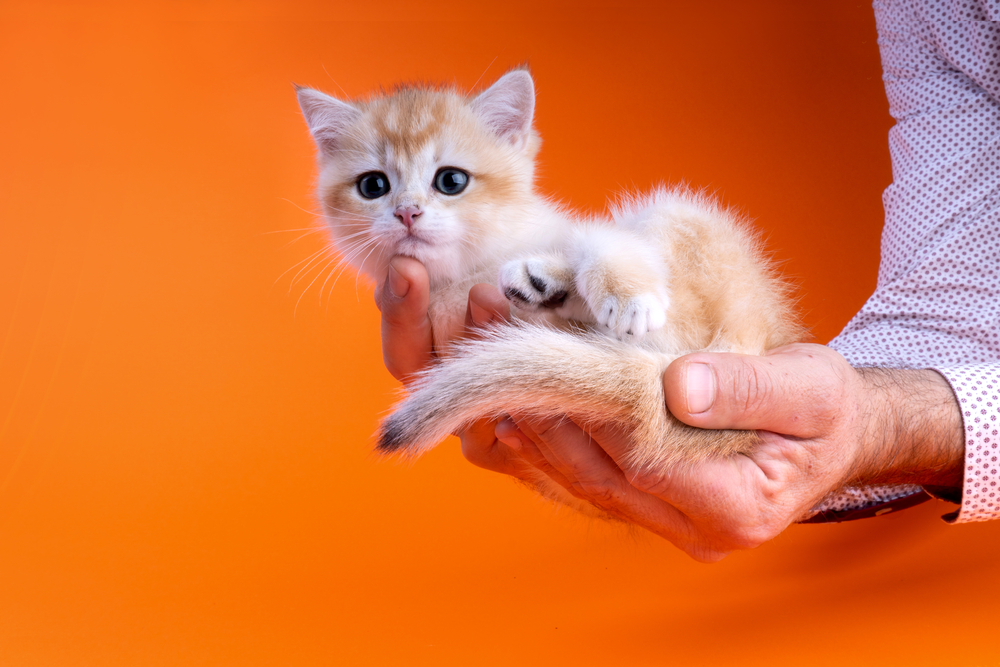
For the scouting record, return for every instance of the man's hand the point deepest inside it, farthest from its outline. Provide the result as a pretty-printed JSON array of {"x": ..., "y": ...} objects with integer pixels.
[{"x": 823, "y": 425}]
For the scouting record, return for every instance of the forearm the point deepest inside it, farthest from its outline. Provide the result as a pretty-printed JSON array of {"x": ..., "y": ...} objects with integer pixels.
[{"x": 911, "y": 429}]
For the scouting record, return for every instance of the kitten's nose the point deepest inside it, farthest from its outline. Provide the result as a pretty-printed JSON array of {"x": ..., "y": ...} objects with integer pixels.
[{"x": 406, "y": 214}]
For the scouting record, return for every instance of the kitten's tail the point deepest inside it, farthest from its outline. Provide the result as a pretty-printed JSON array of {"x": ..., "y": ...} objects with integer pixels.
[{"x": 533, "y": 370}]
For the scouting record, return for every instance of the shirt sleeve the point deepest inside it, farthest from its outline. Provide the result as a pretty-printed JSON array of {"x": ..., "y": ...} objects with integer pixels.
[
  {"x": 937, "y": 301},
  {"x": 977, "y": 389}
]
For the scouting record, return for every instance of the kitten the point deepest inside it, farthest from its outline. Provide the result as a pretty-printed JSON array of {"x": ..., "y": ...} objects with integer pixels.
[{"x": 606, "y": 303}]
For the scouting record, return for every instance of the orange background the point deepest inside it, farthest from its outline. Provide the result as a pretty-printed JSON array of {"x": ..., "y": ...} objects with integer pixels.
[{"x": 185, "y": 467}]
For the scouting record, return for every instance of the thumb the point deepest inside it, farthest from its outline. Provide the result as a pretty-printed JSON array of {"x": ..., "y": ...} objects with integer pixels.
[
  {"x": 406, "y": 330},
  {"x": 794, "y": 390}
]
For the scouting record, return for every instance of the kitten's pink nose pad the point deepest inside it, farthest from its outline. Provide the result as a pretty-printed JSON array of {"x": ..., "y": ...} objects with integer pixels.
[{"x": 406, "y": 214}]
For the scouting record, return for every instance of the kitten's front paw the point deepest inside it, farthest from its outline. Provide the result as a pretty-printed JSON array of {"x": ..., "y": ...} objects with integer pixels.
[
  {"x": 631, "y": 319},
  {"x": 535, "y": 283}
]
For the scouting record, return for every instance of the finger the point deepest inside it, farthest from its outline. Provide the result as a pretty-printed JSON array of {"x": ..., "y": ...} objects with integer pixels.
[
  {"x": 715, "y": 492},
  {"x": 796, "y": 390},
  {"x": 730, "y": 498},
  {"x": 592, "y": 476},
  {"x": 616, "y": 443},
  {"x": 481, "y": 447},
  {"x": 486, "y": 306},
  {"x": 508, "y": 432},
  {"x": 407, "y": 345}
]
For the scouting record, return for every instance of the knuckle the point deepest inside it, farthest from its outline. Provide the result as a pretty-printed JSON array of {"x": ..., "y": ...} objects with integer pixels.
[
  {"x": 480, "y": 447},
  {"x": 603, "y": 493},
  {"x": 547, "y": 428},
  {"x": 472, "y": 448},
  {"x": 394, "y": 369},
  {"x": 651, "y": 482},
  {"x": 753, "y": 388}
]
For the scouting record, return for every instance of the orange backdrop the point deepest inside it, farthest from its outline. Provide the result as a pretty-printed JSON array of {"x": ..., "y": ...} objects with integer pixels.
[{"x": 185, "y": 467}]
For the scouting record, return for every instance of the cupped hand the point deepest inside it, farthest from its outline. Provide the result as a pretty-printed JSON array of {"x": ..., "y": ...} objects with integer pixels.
[
  {"x": 799, "y": 396},
  {"x": 823, "y": 425}
]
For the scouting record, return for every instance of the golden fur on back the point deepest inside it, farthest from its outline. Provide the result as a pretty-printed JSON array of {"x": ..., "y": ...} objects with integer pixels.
[{"x": 603, "y": 304}]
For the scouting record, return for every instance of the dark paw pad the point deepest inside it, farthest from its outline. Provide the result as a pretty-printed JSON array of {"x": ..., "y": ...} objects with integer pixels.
[
  {"x": 556, "y": 300},
  {"x": 516, "y": 295}
]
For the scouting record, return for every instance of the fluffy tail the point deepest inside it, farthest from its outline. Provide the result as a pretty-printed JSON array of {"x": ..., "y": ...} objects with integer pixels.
[{"x": 533, "y": 370}]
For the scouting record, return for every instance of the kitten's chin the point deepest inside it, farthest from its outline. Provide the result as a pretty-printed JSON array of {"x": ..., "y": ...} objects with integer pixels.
[{"x": 443, "y": 263}]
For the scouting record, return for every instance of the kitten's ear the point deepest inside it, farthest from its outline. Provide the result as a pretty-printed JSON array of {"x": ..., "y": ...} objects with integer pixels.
[
  {"x": 508, "y": 106},
  {"x": 327, "y": 117}
]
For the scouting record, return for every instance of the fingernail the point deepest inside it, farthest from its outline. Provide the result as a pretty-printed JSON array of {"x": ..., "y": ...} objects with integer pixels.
[
  {"x": 397, "y": 283},
  {"x": 506, "y": 432},
  {"x": 480, "y": 316},
  {"x": 511, "y": 441},
  {"x": 700, "y": 388}
]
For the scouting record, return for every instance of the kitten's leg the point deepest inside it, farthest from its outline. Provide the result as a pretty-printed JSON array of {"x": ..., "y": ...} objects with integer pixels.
[
  {"x": 543, "y": 283},
  {"x": 622, "y": 279}
]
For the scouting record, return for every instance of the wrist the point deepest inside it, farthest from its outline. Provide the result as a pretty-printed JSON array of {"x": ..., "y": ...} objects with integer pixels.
[{"x": 910, "y": 429}]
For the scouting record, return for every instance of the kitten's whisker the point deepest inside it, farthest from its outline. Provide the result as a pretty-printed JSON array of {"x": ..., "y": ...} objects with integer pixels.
[
  {"x": 346, "y": 262},
  {"x": 356, "y": 250},
  {"x": 319, "y": 215},
  {"x": 349, "y": 247},
  {"x": 296, "y": 264},
  {"x": 343, "y": 266},
  {"x": 352, "y": 219},
  {"x": 354, "y": 235},
  {"x": 300, "y": 237},
  {"x": 354, "y": 214},
  {"x": 313, "y": 213},
  {"x": 335, "y": 273},
  {"x": 358, "y": 276},
  {"x": 300, "y": 229},
  {"x": 360, "y": 250},
  {"x": 311, "y": 263},
  {"x": 299, "y": 300},
  {"x": 322, "y": 288}
]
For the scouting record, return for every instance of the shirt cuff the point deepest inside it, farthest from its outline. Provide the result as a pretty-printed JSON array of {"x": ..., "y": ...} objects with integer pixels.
[{"x": 977, "y": 388}]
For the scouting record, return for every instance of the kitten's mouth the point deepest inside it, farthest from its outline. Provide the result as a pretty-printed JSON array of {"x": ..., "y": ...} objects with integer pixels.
[{"x": 411, "y": 239}]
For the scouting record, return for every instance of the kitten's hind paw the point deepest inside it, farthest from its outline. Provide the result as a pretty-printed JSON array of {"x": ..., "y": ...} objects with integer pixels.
[
  {"x": 536, "y": 283},
  {"x": 631, "y": 319}
]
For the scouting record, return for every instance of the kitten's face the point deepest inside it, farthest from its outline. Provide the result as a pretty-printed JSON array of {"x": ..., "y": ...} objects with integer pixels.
[{"x": 423, "y": 173}]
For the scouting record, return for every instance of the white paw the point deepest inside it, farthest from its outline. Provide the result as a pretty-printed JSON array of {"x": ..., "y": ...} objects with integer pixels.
[
  {"x": 534, "y": 283},
  {"x": 633, "y": 318}
]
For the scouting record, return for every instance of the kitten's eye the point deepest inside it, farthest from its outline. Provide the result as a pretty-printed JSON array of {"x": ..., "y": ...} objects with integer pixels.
[
  {"x": 450, "y": 181},
  {"x": 373, "y": 185}
]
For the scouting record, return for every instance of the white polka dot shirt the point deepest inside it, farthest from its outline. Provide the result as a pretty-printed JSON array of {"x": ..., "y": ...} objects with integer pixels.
[{"x": 937, "y": 303}]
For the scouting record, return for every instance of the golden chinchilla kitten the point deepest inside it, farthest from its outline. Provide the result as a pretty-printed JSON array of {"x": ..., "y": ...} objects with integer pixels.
[{"x": 605, "y": 303}]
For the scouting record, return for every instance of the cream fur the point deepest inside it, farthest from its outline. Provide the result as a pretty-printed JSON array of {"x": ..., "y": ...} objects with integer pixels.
[{"x": 664, "y": 274}]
